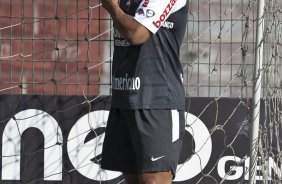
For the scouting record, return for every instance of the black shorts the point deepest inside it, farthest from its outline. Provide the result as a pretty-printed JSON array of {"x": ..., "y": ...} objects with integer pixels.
[{"x": 143, "y": 140}]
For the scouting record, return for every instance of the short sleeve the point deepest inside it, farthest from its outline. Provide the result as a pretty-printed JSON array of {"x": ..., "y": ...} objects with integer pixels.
[{"x": 153, "y": 13}]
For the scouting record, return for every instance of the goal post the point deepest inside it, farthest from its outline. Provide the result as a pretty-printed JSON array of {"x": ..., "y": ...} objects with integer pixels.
[{"x": 256, "y": 97}]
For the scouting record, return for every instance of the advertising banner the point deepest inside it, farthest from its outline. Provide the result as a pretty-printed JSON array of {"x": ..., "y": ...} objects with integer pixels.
[{"x": 58, "y": 139}]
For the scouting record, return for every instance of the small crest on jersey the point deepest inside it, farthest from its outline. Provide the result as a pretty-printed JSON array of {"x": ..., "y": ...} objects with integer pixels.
[{"x": 145, "y": 12}]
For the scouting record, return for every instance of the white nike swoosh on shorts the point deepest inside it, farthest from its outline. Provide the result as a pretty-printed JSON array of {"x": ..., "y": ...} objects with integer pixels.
[{"x": 155, "y": 159}]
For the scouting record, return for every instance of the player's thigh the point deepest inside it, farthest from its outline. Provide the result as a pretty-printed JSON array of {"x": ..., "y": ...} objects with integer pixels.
[
  {"x": 149, "y": 178},
  {"x": 155, "y": 178},
  {"x": 131, "y": 178}
]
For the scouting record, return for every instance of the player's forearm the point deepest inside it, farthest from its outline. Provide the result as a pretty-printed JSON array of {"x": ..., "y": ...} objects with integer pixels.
[{"x": 133, "y": 31}]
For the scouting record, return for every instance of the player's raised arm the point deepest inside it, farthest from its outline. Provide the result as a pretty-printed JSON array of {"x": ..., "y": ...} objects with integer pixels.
[{"x": 134, "y": 32}]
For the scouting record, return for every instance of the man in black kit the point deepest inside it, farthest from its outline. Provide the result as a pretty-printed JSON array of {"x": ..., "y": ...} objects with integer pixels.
[{"x": 145, "y": 128}]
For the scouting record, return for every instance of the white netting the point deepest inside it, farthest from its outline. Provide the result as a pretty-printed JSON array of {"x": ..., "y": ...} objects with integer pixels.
[{"x": 65, "y": 48}]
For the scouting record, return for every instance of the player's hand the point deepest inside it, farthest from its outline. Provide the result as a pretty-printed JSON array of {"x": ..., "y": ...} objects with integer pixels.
[{"x": 109, "y": 5}]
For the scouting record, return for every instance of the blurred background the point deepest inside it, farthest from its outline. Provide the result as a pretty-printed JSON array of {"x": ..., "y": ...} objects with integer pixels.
[{"x": 65, "y": 47}]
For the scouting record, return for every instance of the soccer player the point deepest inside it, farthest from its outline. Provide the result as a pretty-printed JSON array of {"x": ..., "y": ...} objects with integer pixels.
[{"x": 145, "y": 128}]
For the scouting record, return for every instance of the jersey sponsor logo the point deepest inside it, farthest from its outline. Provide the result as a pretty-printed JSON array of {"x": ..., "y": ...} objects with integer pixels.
[
  {"x": 117, "y": 34},
  {"x": 122, "y": 43},
  {"x": 148, "y": 13},
  {"x": 165, "y": 13},
  {"x": 126, "y": 83},
  {"x": 168, "y": 25},
  {"x": 119, "y": 39}
]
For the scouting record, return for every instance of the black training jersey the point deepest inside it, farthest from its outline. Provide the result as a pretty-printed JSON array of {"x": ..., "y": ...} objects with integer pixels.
[{"x": 149, "y": 76}]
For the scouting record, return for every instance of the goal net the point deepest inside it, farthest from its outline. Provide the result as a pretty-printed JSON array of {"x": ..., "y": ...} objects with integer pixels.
[{"x": 55, "y": 67}]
